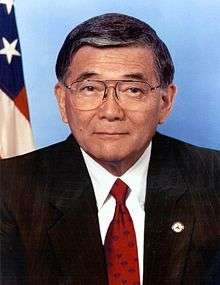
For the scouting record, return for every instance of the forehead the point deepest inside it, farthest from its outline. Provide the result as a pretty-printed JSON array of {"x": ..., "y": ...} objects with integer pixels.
[{"x": 112, "y": 62}]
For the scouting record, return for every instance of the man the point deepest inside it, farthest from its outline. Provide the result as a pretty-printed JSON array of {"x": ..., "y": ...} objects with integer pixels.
[{"x": 116, "y": 203}]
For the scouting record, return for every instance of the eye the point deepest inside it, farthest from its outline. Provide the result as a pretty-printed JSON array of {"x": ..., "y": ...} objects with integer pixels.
[
  {"x": 88, "y": 88},
  {"x": 132, "y": 89},
  {"x": 135, "y": 90}
]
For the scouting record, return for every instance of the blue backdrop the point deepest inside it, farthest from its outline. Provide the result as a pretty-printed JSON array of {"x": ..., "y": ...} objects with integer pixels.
[{"x": 190, "y": 28}]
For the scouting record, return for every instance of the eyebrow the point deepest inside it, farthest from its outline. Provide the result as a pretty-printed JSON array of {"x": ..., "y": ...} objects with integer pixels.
[
  {"x": 135, "y": 76},
  {"x": 86, "y": 75}
]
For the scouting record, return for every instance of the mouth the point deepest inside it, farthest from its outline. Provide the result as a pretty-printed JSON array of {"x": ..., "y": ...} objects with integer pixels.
[{"x": 113, "y": 135}]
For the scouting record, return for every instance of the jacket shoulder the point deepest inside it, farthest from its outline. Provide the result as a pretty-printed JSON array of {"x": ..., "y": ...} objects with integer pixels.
[
  {"x": 187, "y": 149},
  {"x": 35, "y": 167},
  {"x": 199, "y": 166},
  {"x": 30, "y": 161}
]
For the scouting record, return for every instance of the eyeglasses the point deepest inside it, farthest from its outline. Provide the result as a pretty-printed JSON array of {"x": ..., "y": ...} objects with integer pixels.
[{"x": 90, "y": 94}]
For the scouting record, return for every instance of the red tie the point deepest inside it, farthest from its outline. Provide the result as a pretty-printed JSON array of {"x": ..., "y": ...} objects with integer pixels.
[{"x": 120, "y": 242}]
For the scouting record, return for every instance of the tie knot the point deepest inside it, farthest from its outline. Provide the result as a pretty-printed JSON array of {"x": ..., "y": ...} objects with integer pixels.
[{"x": 119, "y": 191}]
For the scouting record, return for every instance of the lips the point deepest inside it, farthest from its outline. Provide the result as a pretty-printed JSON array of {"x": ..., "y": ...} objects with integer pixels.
[{"x": 110, "y": 135}]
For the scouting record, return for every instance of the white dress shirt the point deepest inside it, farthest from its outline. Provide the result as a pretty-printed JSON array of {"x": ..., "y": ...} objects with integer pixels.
[{"x": 136, "y": 179}]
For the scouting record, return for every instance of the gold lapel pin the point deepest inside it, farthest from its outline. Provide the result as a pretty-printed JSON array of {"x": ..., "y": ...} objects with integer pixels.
[{"x": 177, "y": 227}]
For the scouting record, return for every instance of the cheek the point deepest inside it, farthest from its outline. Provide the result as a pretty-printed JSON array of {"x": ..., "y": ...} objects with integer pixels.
[
  {"x": 143, "y": 121},
  {"x": 74, "y": 120},
  {"x": 144, "y": 126},
  {"x": 78, "y": 121}
]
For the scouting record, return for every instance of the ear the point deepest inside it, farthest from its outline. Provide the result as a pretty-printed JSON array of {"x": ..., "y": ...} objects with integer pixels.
[
  {"x": 60, "y": 93},
  {"x": 167, "y": 101}
]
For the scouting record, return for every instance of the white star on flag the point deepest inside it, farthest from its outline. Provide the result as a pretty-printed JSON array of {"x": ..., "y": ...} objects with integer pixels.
[
  {"x": 8, "y": 3},
  {"x": 9, "y": 49}
]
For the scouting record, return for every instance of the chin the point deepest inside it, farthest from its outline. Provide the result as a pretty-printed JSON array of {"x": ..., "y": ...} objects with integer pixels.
[
  {"x": 109, "y": 157},
  {"x": 107, "y": 154}
]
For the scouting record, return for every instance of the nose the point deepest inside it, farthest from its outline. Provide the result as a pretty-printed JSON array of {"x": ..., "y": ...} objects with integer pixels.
[{"x": 110, "y": 109}]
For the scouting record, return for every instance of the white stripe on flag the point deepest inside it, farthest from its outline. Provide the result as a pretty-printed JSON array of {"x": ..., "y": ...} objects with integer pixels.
[{"x": 15, "y": 130}]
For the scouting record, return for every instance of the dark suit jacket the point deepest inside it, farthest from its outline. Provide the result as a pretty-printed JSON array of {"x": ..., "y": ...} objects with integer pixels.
[{"x": 49, "y": 225}]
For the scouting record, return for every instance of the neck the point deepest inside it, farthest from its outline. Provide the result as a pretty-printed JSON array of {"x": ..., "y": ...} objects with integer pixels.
[
  {"x": 115, "y": 168},
  {"x": 118, "y": 168}
]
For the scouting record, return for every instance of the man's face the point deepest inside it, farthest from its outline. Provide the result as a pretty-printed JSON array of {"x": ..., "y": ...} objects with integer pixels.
[{"x": 109, "y": 133}]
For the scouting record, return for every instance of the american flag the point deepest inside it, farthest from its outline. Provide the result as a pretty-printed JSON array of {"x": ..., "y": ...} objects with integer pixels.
[{"x": 15, "y": 129}]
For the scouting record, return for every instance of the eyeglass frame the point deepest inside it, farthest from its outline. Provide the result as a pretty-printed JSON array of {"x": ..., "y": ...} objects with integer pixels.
[
  {"x": 113, "y": 80},
  {"x": 106, "y": 87}
]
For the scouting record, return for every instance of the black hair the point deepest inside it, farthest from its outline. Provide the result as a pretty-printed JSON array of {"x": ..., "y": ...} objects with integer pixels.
[{"x": 117, "y": 30}]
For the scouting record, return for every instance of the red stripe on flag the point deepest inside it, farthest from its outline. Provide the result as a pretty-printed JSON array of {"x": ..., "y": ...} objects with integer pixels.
[{"x": 22, "y": 103}]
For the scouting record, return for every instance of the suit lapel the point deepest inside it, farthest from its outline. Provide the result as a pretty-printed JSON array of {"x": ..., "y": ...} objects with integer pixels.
[
  {"x": 167, "y": 202},
  {"x": 73, "y": 226}
]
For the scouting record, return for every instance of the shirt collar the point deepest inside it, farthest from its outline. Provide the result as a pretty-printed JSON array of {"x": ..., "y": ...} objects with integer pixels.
[{"x": 135, "y": 177}]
